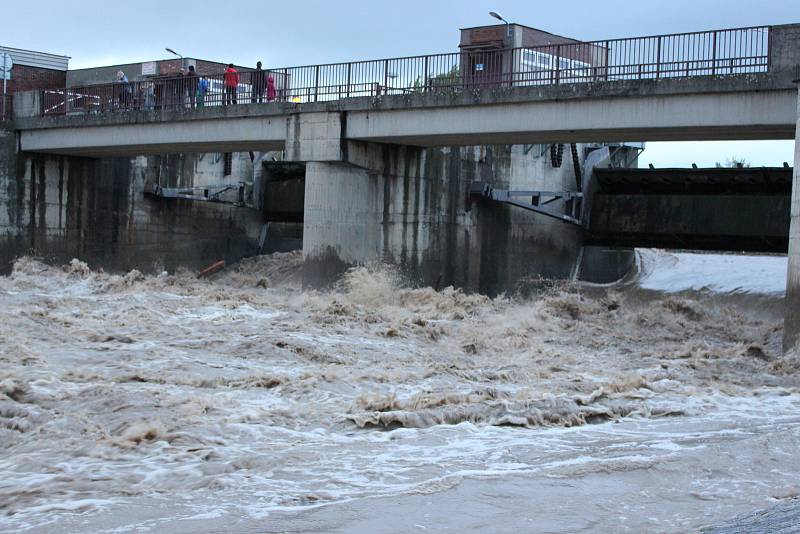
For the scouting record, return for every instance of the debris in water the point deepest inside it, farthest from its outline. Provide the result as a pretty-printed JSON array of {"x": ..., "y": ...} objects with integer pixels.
[{"x": 211, "y": 269}]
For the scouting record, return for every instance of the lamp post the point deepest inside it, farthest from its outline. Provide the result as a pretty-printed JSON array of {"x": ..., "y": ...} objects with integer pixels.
[
  {"x": 171, "y": 51},
  {"x": 499, "y": 17}
]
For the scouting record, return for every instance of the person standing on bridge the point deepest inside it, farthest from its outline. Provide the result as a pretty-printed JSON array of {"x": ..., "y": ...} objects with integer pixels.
[
  {"x": 125, "y": 90},
  {"x": 191, "y": 86},
  {"x": 231, "y": 81},
  {"x": 202, "y": 89},
  {"x": 257, "y": 81}
]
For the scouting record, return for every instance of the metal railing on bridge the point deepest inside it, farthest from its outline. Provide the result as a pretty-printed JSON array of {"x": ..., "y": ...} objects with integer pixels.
[{"x": 731, "y": 51}]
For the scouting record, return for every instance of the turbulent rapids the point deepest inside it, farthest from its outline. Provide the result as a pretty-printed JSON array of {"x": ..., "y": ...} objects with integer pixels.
[{"x": 132, "y": 401}]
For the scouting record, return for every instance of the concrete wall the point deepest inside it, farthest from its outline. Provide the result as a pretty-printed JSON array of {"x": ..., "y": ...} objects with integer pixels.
[
  {"x": 60, "y": 207},
  {"x": 416, "y": 213},
  {"x": 791, "y": 326}
]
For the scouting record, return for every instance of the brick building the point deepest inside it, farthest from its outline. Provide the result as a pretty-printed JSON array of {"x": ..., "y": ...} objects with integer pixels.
[
  {"x": 31, "y": 70},
  {"x": 36, "y": 70},
  {"x": 493, "y": 53}
]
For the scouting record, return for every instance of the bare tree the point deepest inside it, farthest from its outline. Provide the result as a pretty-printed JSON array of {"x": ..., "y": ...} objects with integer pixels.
[{"x": 734, "y": 162}]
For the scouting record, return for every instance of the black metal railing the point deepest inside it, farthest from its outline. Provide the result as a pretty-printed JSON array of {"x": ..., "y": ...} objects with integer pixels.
[{"x": 732, "y": 51}]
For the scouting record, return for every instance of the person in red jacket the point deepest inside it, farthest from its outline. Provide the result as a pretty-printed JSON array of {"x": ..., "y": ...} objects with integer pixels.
[{"x": 231, "y": 81}]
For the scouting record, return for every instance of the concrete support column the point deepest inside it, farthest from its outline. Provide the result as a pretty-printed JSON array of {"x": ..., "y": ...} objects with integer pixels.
[
  {"x": 342, "y": 222},
  {"x": 791, "y": 324}
]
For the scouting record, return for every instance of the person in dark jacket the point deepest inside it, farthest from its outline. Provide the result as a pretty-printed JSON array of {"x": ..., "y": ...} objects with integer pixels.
[
  {"x": 191, "y": 86},
  {"x": 258, "y": 82},
  {"x": 231, "y": 82}
]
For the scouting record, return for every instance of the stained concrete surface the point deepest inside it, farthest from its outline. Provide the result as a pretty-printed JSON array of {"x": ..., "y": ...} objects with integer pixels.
[{"x": 58, "y": 208}]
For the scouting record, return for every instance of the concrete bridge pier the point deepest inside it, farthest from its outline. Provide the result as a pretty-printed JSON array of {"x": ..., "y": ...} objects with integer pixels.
[
  {"x": 791, "y": 324},
  {"x": 410, "y": 207}
]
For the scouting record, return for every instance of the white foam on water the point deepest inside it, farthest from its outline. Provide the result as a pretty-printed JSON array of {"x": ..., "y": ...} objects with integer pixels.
[
  {"x": 672, "y": 272},
  {"x": 231, "y": 399}
]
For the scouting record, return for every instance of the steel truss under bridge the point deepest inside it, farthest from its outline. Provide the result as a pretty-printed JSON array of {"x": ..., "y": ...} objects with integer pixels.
[{"x": 543, "y": 202}]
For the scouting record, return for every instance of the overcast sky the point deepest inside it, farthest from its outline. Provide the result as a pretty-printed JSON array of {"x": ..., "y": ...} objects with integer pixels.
[{"x": 300, "y": 32}]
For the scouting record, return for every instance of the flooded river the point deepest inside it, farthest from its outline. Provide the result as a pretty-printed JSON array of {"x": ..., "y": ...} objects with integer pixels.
[{"x": 133, "y": 403}]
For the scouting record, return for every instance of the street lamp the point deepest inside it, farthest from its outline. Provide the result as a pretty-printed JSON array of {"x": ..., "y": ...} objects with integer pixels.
[
  {"x": 497, "y": 15},
  {"x": 171, "y": 51}
]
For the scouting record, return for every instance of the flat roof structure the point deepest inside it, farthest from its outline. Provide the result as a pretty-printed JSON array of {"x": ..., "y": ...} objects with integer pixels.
[{"x": 32, "y": 58}]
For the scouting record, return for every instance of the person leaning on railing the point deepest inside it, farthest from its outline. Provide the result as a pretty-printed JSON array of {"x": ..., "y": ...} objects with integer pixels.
[{"x": 125, "y": 90}]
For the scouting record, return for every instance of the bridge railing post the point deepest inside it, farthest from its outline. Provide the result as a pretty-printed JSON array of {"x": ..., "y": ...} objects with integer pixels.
[
  {"x": 658, "y": 58},
  {"x": 425, "y": 81},
  {"x": 316, "y": 83},
  {"x": 558, "y": 63},
  {"x": 714, "y": 53},
  {"x": 349, "y": 77},
  {"x": 386, "y": 76}
]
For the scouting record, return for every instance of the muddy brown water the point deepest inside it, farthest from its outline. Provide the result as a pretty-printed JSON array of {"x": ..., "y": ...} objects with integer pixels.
[{"x": 243, "y": 403}]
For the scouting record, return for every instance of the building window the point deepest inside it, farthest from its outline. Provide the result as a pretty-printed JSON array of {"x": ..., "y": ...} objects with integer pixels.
[{"x": 227, "y": 163}]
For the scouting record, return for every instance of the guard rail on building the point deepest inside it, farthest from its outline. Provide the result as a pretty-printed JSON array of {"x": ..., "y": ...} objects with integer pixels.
[{"x": 731, "y": 51}]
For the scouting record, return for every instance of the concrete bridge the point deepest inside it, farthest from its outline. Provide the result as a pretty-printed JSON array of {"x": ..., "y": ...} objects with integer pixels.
[
  {"x": 363, "y": 137},
  {"x": 697, "y": 88},
  {"x": 744, "y": 106}
]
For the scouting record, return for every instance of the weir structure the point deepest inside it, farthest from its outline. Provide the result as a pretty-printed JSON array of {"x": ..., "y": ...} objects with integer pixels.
[{"x": 368, "y": 135}]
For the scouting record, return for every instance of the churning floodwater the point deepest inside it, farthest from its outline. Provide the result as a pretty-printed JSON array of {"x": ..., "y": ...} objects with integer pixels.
[{"x": 133, "y": 403}]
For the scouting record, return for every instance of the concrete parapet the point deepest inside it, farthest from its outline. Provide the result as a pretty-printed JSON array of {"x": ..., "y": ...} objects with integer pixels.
[
  {"x": 784, "y": 52},
  {"x": 27, "y": 104}
]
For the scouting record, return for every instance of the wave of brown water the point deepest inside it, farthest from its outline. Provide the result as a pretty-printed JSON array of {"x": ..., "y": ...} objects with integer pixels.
[{"x": 245, "y": 395}]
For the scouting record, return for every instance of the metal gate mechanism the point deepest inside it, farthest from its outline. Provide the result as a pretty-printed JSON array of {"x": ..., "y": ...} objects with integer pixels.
[
  {"x": 208, "y": 193},
  {"x": 536, "y": 201}
]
